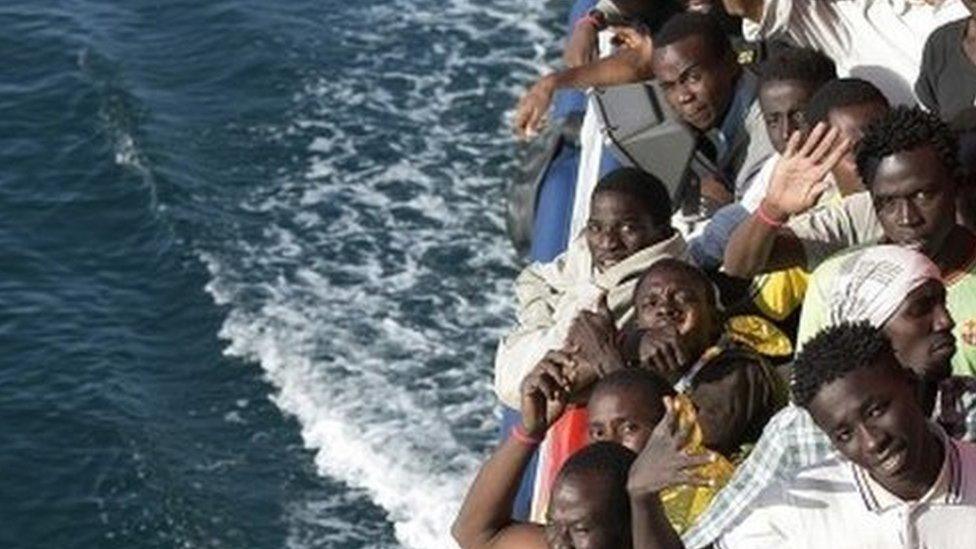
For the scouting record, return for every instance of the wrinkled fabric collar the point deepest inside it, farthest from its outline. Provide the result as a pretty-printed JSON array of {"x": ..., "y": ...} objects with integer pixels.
[
  {"x": 576, "y": 265},
  {"x": 635, "y": 265}
]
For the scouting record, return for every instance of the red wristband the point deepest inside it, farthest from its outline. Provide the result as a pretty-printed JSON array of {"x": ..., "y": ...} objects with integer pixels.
[
  {"x": 588, "y": 19},
  {"x": 519, "y": 434},
  {"x": 767, "y": 219},
  {"x": 594, "y": 17}
]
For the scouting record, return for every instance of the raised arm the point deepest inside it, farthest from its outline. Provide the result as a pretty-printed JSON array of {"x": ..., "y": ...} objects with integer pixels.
[
  {"x": 761, "y": 243},
  {"x": 581, "y": 48},
  {"x": 484, "y": 520},
  {"x": 747, "y": 9},
  {"x": 630, "y": 63}
]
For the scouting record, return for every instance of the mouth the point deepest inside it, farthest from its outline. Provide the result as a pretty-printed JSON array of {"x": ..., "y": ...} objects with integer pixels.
[
  {"x": 944, "y": 345},
  {"x": 893, "y": 461},
  {"x": 667, "y": 322},
  {"x": 701, "y": 6},
  {"x": 697, "y": 117},
  {"x": 610, "y": 259},
  {"x": 913, "y": 242}
]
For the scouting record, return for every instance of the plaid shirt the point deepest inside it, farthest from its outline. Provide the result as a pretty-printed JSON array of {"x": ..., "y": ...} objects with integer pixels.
[
  {"x": 789, "y": 442},
  {"x": 792, "y": 441}
]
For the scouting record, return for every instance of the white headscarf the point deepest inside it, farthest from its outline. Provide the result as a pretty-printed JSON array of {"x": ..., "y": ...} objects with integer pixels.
[{"x": 872, "y": 282}]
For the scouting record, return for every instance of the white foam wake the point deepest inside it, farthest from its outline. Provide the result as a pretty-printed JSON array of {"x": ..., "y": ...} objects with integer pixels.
[{"x": 374, "y": 291}]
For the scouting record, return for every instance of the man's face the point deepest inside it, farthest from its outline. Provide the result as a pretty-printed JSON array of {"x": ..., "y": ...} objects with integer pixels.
[
  {"x": 921, "y": 332},
  {"x": 873, "y": 418},
  {"x": 698, "y": 84},
  {"x": 915, "y": 199},
  {"x": 852, "y": 120},
  {"x": 669, "y": 297},
  {"x": 620, "y": 415},
  {"x": 580, "y": 515},
  {"x": 782, "y": 103},
  {"x": 618, "y": 227}
]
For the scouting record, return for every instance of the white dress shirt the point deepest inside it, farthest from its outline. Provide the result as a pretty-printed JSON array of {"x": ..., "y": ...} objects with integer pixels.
[{"x": 836, "y": 505}]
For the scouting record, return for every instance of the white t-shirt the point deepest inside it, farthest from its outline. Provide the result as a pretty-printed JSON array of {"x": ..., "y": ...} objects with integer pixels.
[
  {"x": 880, "y": 41},
  {"x": 836, "y": 505},
  {"x": 836, "y": 225},
  {"x": 757, "y": 191}
]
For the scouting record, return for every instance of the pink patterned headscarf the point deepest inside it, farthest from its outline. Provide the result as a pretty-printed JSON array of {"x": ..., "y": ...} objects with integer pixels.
[{"x": 872, "y": 282}]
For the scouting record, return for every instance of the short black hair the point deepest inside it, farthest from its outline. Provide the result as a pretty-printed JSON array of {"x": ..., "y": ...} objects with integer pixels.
[
  {"x": 840, "y": 93},
  {"x": 651, "y": 387},
  {"x": 612, "y": 462},
  {"x": 805, "y": 65},
  {"x": 649, "y": 13},
  {"x": 686, "y": 24},
  {"x": 642, "y": 187},
  {"x": 835, "y": 352},
  {"x": 903, "y": 129},
  {"x": 687, "y": 269}
]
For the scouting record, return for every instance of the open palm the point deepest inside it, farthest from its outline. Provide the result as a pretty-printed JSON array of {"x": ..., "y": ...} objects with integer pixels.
[{"x": 799, "y": 177}]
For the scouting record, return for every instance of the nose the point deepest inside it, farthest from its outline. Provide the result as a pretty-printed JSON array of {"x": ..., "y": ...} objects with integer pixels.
[
  {"x": 616, "y": 435},
  {"x": 907, "y": 214},
  {"x": 872, "y": 441},
  {"x": 783, "y": 132},
  {"x": 684, "y": 94},
  {"x": 942, "y": 320},
  {"x": 666, "y": 308},
  {"x": 608, "y": 240}
]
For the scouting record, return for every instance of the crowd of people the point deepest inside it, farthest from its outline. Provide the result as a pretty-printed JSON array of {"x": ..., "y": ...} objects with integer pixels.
[{"x": 799, "y": 370}]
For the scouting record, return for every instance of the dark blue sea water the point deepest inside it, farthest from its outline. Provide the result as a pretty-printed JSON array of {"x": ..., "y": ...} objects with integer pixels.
[{"x": 252, "y": 266}]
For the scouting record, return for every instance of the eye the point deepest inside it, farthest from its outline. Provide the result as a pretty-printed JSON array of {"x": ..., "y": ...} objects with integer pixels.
[
  {"x": 596, "y": 433},
  {"x": 877, "y": 410},
  {"x": 923, "y": 196},
  {"x": 627, "y": 228},
  {"x": 920, "y": 307},
  {"x": 884, "y": 204},
  {"x": 650, "y": 301},
  {"x": 630, "y": 428},
  {"x": 693, "y": 77},
  {"x": 843, "y": 436},
  {"x": 580, "y": 529}
]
